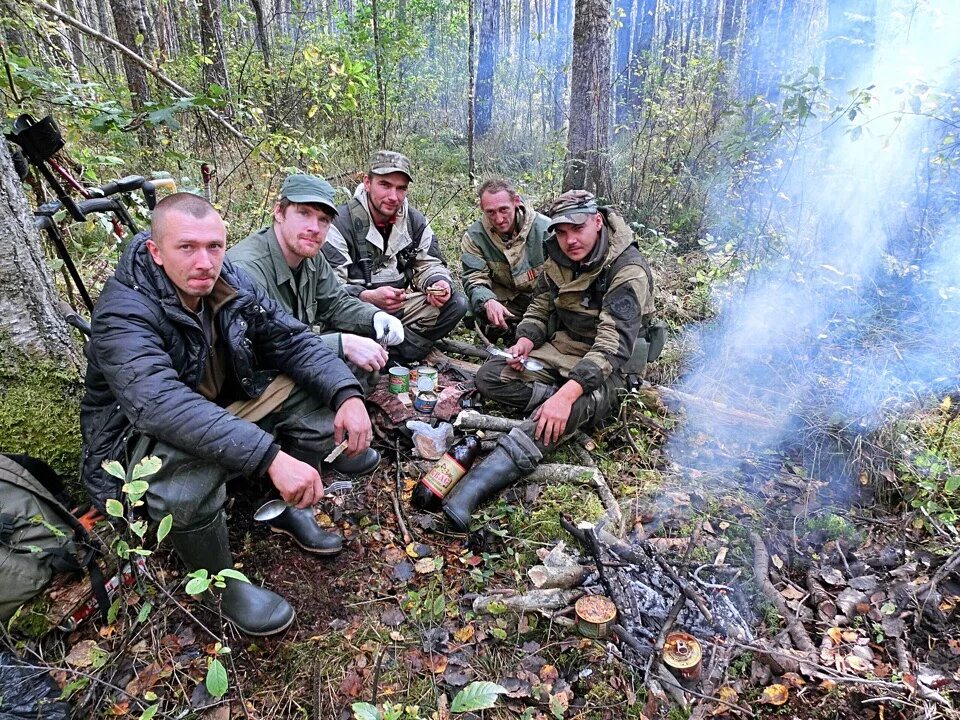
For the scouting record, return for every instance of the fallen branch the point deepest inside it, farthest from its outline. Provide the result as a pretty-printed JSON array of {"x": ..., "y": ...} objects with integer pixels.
[
  {"x": 533, "y": 601},
  {"x": 761, "y": 570},
  {"x": 677, "y": 398},
  {"x": 545, "y": 577},
  {"x": 128, "y": 53}
]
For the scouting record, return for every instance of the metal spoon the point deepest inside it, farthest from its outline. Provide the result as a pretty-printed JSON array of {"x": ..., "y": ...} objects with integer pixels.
[
  {"x": 273, "y": 509},
  {"x": 529, "y": 363}
]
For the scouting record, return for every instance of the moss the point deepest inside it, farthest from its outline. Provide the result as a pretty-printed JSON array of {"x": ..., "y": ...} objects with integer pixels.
[
  {"x": 543, "y": 524},
  {"x": 40, "y": 410}
]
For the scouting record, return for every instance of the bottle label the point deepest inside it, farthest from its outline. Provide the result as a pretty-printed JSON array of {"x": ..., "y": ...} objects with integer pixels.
[{"x": 443, "y": 476}]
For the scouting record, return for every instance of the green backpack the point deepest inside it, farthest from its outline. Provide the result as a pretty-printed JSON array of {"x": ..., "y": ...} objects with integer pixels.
[{"x": 38, "y": 534}]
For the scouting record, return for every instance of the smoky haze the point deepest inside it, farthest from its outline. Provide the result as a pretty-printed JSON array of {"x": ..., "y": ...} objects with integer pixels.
[{"x": 855, "y": 311}]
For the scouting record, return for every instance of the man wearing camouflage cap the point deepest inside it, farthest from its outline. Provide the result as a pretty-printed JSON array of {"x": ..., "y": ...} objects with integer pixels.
[
  {"x": 502, "y": 256},
  {"x": 386, "y": 254},
  {"x": 596, "y": 290}
]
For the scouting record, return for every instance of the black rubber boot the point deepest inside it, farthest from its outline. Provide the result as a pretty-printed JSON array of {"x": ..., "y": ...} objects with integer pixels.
[
  {"x": 514, "y": 457},
  {"x": 362, "y": 464},
  {"x": 301, "y": 525},
  {"x": 253, "y": 609}
]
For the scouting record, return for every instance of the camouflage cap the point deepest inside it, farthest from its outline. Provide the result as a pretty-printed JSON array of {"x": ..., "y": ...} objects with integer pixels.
[
  {"x": 384, "y": 162},
  {"x": 309, "y": 189},
  {"x": 574, "y": 207}
]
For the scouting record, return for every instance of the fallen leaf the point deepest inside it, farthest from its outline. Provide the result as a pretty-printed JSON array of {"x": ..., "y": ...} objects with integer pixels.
[
  {"x": 777, "y": 562},
  {"x": 794, "y": 680},
  {"x": 424, "y": 566},
  {"x": 775, "y": 694},
  {"x": 857, "y": 664},
  {"x": 82, "y": 654},
  {"x": 352, "y": 684},
  {"x": 728, "y": 695},
  {"x": 850, "y": 635},
  {"x": 792, "y": 593},
  {"x": 464, "y": 634},
  {"x": 835, "y": 634}
]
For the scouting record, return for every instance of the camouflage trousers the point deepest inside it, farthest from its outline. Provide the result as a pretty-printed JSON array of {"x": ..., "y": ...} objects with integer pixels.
[
  {"x": 517, "y": 306},
  {"x": 527, "y": 390},
  {"x": 193, "y": 490}
]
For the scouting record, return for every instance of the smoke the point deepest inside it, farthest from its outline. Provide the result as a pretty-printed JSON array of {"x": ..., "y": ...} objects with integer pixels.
[{"x": 857, "y": 316}]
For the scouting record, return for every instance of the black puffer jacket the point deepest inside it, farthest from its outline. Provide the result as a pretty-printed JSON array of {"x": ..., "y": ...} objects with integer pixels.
[{"x": 147, "y": 356}]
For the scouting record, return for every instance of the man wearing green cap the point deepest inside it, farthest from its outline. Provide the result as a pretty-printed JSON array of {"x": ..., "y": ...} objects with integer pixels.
[
  {"x": 285, "y": 260},
  {"x": 502, "y": 256},
  {"x": 386, "y": 254},
  {"x": 596, "y": 290}
]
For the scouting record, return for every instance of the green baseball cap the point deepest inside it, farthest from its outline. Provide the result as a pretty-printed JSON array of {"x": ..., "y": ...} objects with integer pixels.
[
  {"x": 384, "y": 162},
  {"x": 574, "y": 207},
  {"x": 309, "y": 189}
]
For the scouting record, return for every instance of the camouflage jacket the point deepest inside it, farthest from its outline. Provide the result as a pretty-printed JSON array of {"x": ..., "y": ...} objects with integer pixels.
[
  {"x": 315, "y": 297},
  {"x": 494, "y": 267},
  {"x": 410, "y": 257},
  {"x": 591, "y": 313}
]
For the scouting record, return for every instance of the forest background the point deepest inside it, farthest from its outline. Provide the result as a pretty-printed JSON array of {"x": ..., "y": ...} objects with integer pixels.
[{"x": 789, "y": 167}]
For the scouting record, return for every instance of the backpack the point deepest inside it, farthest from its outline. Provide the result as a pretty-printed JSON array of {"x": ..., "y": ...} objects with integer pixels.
[{"x": 39, "y": 536}]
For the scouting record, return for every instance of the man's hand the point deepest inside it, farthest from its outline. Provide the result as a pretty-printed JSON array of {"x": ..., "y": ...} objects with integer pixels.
[
  {"x": 299, "y": 484},
  {"x": 363, "y": 352},
  {"x": 388, "y": 329},
  {"x": 553, "y": 414},
  {"x": 520, "y": 351},
  {"x": 497, "y": 314},
  {"x": 353, "y": 423},
  {"x": 386, "y": 298},
  {"x": 439, "y": 299}
]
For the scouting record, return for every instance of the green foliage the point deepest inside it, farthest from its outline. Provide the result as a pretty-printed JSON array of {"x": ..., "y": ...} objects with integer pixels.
[
  {"x": 933, "y": 486},
  {"x": 477, "y": 696},
  {"x": 835, "y": 526}
]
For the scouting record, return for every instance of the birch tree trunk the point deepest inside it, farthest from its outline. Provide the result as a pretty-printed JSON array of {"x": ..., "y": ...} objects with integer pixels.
[
  {"x": 588, "y": 139},
  {"x": 29, "y": 318}
]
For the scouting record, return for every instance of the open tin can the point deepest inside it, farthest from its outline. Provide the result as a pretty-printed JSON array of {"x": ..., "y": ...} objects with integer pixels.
[
  {"x": 682, "y": 654},
  {"x": 595, "y": 615}
]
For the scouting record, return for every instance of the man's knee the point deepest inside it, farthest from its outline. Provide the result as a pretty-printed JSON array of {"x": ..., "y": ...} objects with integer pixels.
[
  {"x": 453, "y": 311},
  {"x": 489, "y": 379},
  {"x": 192, "y": 493}
]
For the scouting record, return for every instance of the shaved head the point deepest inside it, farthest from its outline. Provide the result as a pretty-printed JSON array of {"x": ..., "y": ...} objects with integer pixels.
[{"x": 181, "y": 203}]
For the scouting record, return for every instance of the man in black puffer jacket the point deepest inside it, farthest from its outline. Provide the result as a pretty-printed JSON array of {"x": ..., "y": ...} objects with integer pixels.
[{"x": 191, "y": 362}]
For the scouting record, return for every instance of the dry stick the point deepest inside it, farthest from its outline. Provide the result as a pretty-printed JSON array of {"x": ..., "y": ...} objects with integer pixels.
[
  {"x": 761, "y": 570},
  {"x": 462, "y": 348},
  {"x": 669, "y": 394},
  {"x": 126, "y": 52},
  {"x": 395, "y": 497}
]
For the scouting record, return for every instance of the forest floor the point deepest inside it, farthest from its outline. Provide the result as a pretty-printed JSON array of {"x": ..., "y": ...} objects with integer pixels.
[{"x": 850, "y": 607}]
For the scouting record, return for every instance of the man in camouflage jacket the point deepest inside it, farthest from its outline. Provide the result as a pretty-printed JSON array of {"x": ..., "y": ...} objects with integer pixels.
[
  {"x": 386, "y": 253},
  {"x": 501, "y": 257},
  {"x": 585, "y": 325}
]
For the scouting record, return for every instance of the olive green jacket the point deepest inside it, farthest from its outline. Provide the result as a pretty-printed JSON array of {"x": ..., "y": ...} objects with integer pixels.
[
  {"x": 594, "y": 309},
  {"x": 318, "y": 300},
  {"x": 502, "y": 268}
]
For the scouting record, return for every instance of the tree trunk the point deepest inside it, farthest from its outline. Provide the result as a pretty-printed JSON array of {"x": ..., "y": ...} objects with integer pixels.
[
  {"x": 588, "y": 140},
  {"x": 524, "y": 31},
  {"x": 126, "y": 17},
  {"x": 564, "y": 9},
  {"x": 381, "y": 81},
  {"x": 211, "y": 40},
  {"x": 471, "y": 88},
  {"x": 643, "y": 34},
  {"x": 623, "y": 14},
  {"x": 850, "y": 43},
  {"x": 29, "y": 318},
  {"x": 486, "y": 63},
  {"x": 263, "y": 40}
]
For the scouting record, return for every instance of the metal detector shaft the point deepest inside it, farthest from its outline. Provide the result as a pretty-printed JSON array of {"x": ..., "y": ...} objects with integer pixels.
[{"x": 44, "y": 222}]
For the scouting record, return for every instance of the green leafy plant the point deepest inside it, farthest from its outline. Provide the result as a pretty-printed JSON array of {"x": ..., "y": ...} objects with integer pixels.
[{"x": 477, "y": 696}]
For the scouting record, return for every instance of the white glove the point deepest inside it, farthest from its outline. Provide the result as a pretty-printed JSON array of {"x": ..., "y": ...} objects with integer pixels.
[{"x": 388, "y": 328}]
